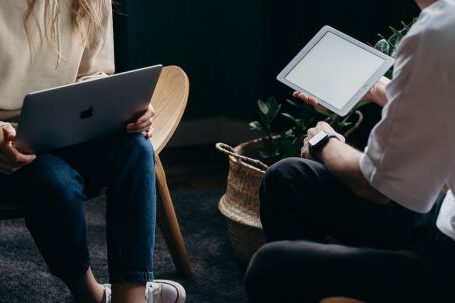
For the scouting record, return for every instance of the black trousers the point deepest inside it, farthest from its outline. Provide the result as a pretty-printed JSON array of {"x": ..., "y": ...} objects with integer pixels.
[{"x": 325, "y": 241}]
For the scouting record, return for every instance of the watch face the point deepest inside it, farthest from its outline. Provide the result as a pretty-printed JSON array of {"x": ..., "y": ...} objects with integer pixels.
[{"x": 317, "y": 138}]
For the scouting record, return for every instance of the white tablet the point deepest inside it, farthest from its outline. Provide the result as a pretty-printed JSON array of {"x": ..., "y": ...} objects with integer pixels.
[{"x": 335, "y": 69}]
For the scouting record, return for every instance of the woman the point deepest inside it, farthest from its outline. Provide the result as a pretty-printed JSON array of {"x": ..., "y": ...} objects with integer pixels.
[{"x": 48, "y": 43}]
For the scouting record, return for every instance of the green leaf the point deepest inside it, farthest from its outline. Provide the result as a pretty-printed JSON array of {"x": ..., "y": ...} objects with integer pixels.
[
  {"x": 405, "y": 26},
  {"x": 323, "y": 112},
  {"x": 289, "y": 132},
  {"x": 383, "y": 46},
  {"x": 265, "y": 122},
  {"x": 394, "y": 30},
  {"x": 298, "y": 104},
  {"x": 289, "y": 149},
  {"x": 342, "y": 125},
  {"x": 255, "y": 125},
  {"x": 275, "y": 111},
  {"x": 300, "y": 123},
  {"x": 290, "y": 117},
  {"x": 272, "y": 100},
  {"x": 263, "y": 107},
  {"x": 362, "y": 103}
]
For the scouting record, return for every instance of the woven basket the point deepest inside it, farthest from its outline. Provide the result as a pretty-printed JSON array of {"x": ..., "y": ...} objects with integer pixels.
[{"x": 240, "y": 203}]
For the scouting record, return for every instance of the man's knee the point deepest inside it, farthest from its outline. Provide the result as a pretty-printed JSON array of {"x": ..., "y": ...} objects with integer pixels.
[
  {"x": 283, "y": 173},
  {"x": 285, "y": 177},
  {"x": 264, "y": 269}
]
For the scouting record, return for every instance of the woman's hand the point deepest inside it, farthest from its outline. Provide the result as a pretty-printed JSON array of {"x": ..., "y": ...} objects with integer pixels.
[
  {"x": 11, "y": 160},
  {"x": 143, "y": 123}
]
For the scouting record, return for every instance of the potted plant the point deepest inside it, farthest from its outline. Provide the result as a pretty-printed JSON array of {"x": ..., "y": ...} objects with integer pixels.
[{"x": 281, "y": 127}]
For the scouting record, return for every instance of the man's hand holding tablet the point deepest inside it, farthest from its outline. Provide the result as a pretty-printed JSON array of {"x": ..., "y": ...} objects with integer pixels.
[
  {"x": 376, "y": 94},
  {"x": 335, "y": 71}
]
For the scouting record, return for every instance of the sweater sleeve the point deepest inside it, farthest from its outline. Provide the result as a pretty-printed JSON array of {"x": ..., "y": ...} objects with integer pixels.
[{"x": 98, "y": 61}]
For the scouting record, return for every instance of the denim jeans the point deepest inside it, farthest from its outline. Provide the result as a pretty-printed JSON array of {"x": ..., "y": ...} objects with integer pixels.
[{"x": 54, "y": 187}]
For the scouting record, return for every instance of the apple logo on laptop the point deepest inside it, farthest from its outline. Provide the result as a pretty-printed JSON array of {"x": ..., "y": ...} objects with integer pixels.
[{"x": 85, "y": 114}]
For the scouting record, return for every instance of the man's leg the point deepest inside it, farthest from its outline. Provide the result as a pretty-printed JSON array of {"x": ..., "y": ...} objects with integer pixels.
[
  {"x": 301, "y": 199},
  {"x": 303, "y": 271}
]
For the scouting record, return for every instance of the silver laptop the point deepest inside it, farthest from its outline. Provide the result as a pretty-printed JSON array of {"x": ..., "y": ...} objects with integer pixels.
[{"x": 84, "y": 111}]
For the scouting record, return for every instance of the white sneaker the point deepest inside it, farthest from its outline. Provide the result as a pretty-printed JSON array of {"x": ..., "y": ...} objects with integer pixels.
[
  {"x": 159, "y": 291},
  {"x": 107, "y": 293},
  {"x": 164, "y": 291}
]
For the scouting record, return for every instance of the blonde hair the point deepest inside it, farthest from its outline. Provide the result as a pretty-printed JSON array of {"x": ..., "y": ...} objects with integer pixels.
[{"x": 87, "y": 21}]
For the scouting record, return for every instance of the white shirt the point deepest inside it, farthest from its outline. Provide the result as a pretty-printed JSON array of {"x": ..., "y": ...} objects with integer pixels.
[
  {"x": 21, "y": 74},
  {"x": 411, "y": 151}
]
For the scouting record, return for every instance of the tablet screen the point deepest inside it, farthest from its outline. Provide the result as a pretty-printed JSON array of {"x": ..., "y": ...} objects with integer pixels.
[{"x": 334, "y": 70}]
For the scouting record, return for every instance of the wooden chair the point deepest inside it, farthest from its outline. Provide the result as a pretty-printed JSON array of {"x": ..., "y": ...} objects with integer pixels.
[{"x": 169, "y": 100}]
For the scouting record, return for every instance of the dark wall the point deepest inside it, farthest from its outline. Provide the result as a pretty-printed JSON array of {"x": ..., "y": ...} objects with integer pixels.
[
  {"x": 233, "y": 50},
  {"x": 290, "y": 24},
  {"x": 218, "y": 43}
]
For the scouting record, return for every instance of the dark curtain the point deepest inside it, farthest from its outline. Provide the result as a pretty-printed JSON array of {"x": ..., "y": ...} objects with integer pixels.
[{"x": 233, "y": 50}]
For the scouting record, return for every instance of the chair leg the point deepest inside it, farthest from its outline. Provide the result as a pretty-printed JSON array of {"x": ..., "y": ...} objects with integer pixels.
[{"x": 169, "y": 225}]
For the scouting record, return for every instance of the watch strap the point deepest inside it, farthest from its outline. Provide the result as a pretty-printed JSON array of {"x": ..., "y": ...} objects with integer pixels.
[{"x": 314, "y": 150}]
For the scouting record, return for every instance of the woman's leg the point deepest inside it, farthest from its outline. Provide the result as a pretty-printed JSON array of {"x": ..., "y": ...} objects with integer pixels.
[
  {"x": 126, "y": 165},
  {"x": 131, "y": 210},
  {"x": 131, "y": 218},
  {"x": 52, "y": 193}
]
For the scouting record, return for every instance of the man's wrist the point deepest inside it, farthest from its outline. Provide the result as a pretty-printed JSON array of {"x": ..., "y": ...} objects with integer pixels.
[{"x": 333, "y": 141}]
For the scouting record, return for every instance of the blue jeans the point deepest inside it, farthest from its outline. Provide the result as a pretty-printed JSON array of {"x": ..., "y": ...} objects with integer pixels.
[{"x": 53, "y": 188}]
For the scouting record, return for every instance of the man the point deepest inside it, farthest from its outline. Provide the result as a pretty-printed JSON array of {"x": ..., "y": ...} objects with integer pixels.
[{"x": 374, "y": 226}]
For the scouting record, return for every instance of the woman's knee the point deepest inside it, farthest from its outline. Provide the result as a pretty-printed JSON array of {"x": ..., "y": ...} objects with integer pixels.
[
  {"x": 137, "y": 148},
  {"x": 52, "y": 182}
]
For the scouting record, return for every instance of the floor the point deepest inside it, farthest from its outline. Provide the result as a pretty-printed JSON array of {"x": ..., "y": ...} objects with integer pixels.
[
  {"x": 199, "y": 167},
  {"x": 197, "y": 179}
]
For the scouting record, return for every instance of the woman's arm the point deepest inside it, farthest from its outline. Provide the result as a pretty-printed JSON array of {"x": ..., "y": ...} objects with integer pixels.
[{"x": 98, "y": 61}]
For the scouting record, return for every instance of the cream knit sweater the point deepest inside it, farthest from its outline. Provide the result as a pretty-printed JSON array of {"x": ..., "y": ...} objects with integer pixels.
[{"x": 21, "y": 73}]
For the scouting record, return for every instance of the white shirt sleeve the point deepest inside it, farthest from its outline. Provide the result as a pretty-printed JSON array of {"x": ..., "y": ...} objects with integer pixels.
[
  {"x": 407, "y": 158},
  {"x": 98, "y": 62}
]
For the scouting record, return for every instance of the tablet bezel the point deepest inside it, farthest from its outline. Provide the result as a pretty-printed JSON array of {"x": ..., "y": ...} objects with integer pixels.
[{"x": 388, "y": 62}]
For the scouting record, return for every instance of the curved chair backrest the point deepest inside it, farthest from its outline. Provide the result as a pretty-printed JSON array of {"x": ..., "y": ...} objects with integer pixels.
[{"x": 169, "y": 100}]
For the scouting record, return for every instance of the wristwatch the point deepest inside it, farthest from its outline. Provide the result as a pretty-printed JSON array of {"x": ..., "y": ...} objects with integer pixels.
[{"x": 318, "y": 142}]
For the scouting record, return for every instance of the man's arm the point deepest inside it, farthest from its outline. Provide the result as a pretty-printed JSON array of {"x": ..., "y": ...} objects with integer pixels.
[{"x": 344, "y": 162}]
